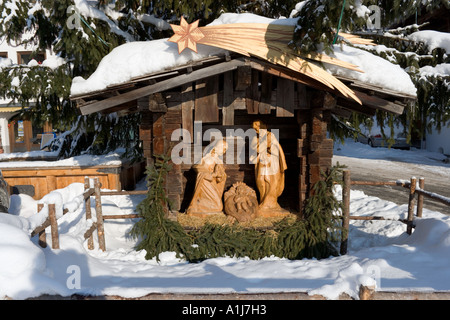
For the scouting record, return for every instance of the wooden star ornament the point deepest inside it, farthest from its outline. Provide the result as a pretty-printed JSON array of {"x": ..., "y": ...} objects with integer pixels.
[
  {"x": 265, "y": 41},
  {"x": 186, "y": 35}
]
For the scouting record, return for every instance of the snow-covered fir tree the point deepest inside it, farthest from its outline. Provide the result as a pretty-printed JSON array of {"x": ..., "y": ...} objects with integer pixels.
[{"x": 319, "y": 22}]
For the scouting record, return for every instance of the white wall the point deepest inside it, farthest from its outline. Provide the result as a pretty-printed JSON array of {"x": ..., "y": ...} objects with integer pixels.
[
  {"x": 13, "y": 48},
  {"x": 439, "y": 142},
  {"x": 4, "y": 134}
]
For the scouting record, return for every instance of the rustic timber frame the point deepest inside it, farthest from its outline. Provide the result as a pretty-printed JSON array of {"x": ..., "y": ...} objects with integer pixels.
[{"x": 229, "y": 92}]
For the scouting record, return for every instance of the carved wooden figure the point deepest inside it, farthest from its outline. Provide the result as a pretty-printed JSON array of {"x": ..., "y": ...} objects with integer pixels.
[
  {"x": 270, "y": 164},
  {"x": 266, "y": 41},
  {"x": 241, "y": 202},
  {"x": 210, "y": 183}
]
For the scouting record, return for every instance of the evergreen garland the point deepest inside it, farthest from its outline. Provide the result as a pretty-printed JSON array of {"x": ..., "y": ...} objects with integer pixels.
[
  {"x": 315, "y": 236},
  {"x": 157, "y": 233}
]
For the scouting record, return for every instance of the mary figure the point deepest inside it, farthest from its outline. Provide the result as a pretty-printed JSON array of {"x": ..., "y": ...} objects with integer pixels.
[{"x": 210, "y": 182}]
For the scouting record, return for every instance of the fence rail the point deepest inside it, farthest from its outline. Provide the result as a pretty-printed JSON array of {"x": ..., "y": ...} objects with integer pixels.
[
  {"x": 414, "y": 188},
  {"x": 96, "y": 192}
]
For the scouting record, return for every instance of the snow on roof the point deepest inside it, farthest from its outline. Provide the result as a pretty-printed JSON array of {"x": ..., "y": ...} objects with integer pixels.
[
  {"x": 139, "y": 58},
  {"x": 377, "y": 71},
  {"x": 136, "y": 59}
]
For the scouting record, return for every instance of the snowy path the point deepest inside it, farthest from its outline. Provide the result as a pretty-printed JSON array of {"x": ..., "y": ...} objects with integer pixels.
[{"x": 382, "y": 164}]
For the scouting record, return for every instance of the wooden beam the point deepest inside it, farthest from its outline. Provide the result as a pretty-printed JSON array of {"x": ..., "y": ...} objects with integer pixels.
[
  {"x": 187, "y": 109},
  {"x": 243, "y": 78},
  {"x": 99, "y": 214},
  {"x": 303, "y": 100},
  {"x": 353, "y": 107},
  {"x": 285, "y": 98},
  {"x": 42, "y": 235},
  {"x": 164, "y": 85},
  {"x": 53, "y": 225},
  {"x": 266, "y": 93},
  {"x": 206, "y": 100},
  {"x": 150, "y": 78},
  {"x": 355, "y": 84},
  {"x": 344, "y": 113},
  {"x": 228, "y": 99},
  {"x": 345, "y": 211},
  {"x": 157, "y": 103},
  {"x": 285, "y": 73},
  {"x": 252, "y": 94},
  {"x": 87, "y": 201},
  {"x": 378, "y": 103}
]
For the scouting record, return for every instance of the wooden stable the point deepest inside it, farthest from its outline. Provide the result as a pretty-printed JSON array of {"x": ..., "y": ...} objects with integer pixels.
[{"x": 230, "y": 92}]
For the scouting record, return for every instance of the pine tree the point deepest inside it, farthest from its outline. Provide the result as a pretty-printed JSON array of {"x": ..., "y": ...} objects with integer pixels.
[
  {"x": 319, "y": 22},
  {"x": 433, "y": 90}
]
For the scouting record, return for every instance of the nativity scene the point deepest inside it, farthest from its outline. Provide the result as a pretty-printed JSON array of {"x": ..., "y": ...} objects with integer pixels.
[
  {"x": 270, "y": 165},
  {"x": 242, "y": 77}
]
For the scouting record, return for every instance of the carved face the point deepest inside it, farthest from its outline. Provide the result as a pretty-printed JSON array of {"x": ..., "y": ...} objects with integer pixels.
[
  {"x": 220, "y": 148},
  {"x": 256, "y": 125}
]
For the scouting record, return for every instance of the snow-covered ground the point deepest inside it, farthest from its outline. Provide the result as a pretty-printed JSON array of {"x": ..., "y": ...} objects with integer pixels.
[
  {"x": 383, "y": 164},
  {"x": 380, "y": 253}
]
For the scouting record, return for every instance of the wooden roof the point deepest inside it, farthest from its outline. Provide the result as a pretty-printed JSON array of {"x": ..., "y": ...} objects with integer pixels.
[{"x": 125, "y": 96}]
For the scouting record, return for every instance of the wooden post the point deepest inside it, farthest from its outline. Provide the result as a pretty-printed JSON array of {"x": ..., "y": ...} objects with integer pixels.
[
  {"x": 420, "y": 198},
  {"x": 412, "y": 191},
  {"x": 228, "y": 101},
  {"x": 345, "y": 211},
  {"x": 187, "y": 109},
  {"x": 87, "y": 186},
  {"x": 53, "y": 225},
  {"x": 98, "y": 210},
  {"x": 366, "y": 292},
  {"x": 42, "y": 236}
]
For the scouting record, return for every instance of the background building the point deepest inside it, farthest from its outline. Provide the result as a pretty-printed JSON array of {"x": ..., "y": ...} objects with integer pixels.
[{"x": 16, "y": 134}]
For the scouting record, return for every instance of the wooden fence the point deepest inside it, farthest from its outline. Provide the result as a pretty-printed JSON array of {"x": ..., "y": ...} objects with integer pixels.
[
  {"x": 409, "y": 221},
  {"x": 96, "y": 192}
]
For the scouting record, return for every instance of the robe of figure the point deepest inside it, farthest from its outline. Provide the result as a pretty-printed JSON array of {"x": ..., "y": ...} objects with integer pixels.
[
  {"x": 210, "y": 183},
  {"x": 270, "y": 164}
]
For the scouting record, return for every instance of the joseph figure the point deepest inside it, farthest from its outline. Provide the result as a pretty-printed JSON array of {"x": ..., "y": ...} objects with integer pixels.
[{"x": 270, "y": 164}]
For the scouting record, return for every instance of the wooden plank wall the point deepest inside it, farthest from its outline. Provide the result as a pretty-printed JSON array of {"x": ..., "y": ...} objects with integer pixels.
[{"x": 234, "y": 100}]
